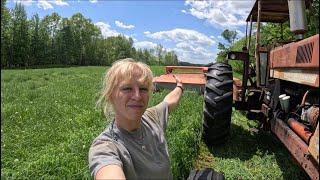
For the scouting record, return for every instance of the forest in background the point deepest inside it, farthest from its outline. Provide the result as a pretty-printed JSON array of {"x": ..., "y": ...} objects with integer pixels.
[
  {"x": 76, "y": 41},
  {"x": 58, "y": 41}
]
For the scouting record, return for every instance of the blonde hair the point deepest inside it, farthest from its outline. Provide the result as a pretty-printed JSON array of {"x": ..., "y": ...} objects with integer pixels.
[{"x": 123, "y": 69}]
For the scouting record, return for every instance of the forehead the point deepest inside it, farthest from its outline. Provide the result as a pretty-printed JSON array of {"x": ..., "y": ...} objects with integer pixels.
[
  {"x": 135, "y": 77},
  {"x": 132, "y": 81}
]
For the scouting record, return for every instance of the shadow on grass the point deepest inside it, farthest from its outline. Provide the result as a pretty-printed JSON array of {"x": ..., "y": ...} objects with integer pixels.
[{"x": 244, "y": 144}]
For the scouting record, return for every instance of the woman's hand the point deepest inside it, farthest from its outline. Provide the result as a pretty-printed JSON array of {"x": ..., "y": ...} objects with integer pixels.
[
  {"x": 174, "y": 96},
  {"x": 178, "y": 80}
]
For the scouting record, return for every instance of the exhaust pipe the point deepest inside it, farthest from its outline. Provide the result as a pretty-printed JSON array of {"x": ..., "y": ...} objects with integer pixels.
[
  {"x": 301, "y": 130},
  {"x": 298, "y": 19}
]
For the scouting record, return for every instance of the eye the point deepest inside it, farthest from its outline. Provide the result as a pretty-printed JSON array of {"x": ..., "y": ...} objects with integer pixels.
[
  {"x": 143, "y": 89},
  {"x": 126, "y": 89}
]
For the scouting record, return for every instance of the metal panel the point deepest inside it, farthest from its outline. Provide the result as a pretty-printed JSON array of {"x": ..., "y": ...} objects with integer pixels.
[
  {"x": 306, "y": 77},
  {"x": 185, "y": 78},
  {"x": 200, "y": 69},
  {"x": 301, "y": 54},
  {"x": 194, "y": 80}
]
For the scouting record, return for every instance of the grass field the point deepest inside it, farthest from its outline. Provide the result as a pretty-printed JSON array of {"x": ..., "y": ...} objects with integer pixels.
[{"x": 48, "y": 121}]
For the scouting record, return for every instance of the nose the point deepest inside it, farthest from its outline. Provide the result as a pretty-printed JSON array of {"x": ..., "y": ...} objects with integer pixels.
[{"x": 136, "y": 93}]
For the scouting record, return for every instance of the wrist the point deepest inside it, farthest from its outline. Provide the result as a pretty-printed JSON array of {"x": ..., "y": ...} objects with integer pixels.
[{"x": 179, "y": 85}]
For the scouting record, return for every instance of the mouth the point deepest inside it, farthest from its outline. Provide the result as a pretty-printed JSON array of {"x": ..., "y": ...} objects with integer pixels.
[{"x": 135, "y": 106}]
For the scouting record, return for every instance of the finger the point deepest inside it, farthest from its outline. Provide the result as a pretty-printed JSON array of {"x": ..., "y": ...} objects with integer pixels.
[
  {"x": 175, "y": 76},
  {"x": 178, "y": 80}
]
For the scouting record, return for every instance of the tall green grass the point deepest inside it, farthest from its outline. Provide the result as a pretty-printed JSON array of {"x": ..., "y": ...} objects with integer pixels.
[
  {"x": 184, "y": 132},
  {"x": 48, "y": 122}
]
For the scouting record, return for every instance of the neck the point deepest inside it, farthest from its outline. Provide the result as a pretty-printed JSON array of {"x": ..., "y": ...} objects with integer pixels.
[{"x": 129, "y": 126}]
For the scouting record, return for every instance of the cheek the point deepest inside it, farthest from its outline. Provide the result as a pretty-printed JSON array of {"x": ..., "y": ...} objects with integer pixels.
[
  {"x": 146, "y": 98},
  {"x": 111, "y": 99},
  {"x": 115, "y": 99}
]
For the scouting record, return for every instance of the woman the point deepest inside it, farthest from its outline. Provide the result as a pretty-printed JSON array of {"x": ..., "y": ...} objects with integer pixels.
[{"x": 133, "y": 146}]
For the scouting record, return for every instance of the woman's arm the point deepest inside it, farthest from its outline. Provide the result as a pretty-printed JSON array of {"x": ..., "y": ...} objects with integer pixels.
[
  {"x": 110, "y": 172},
  {"x": 174, "y": 96}
]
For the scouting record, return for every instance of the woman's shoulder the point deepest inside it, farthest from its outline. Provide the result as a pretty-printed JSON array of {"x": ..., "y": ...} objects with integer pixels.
[
  {"x": 154, "y": 111},
  {"x": 103, "y": 137}
]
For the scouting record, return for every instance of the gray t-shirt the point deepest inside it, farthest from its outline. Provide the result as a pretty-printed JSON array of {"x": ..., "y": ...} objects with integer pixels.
[{"x": 142, "y": 154}]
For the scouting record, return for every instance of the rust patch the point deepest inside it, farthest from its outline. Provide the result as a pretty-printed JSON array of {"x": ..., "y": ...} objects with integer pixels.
[{"x": 314, "y": 145}]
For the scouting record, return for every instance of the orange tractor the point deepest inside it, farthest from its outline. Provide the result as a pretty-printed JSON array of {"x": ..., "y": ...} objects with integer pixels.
[
  {"x": 284, "y": 86},
  {"x": 281, "y": 91}
]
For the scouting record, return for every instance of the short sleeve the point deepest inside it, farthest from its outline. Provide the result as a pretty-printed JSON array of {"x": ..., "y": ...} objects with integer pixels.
[
  {"x": 159, "y": 114},
  {"x": 103, "y": 153}
]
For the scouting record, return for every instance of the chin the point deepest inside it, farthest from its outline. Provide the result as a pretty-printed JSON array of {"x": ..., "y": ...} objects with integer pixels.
[{"x": 137, "y": 117}]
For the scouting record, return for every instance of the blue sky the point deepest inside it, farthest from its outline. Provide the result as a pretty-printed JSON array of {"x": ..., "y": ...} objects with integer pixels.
[{"x": 190, "y": 28}]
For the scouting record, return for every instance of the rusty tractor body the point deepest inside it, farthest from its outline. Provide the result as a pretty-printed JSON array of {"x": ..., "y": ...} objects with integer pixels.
[{"x": 283, "y": 93}]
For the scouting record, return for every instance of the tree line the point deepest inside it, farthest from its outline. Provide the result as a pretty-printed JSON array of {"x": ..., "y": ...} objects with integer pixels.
[{"x": 57, "y": 41}]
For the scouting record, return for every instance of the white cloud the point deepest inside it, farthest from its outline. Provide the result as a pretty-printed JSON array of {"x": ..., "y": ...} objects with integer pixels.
[
  {"x": 106, "y": 30},
  {"x": 133, "y": 38},
  {"x": 220, "y": 13},
  {"x": 24, "y": 2},
  {"x": 60, "y": 3},
  {"x": 122, "y": 25},
  {"x": 195, "y": 54},
  {"x": 44, "y": 4},
  {"x": 182, "y": 35},
  {"x": 240, "y": 34},
  {"x": 190, "y": 45},
  {"x": 145, "y": 45},
  {"x": 93, "y": 1}
]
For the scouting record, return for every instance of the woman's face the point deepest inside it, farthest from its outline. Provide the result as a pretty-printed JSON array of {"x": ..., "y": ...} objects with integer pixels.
[{"x": 130, "y": 100}]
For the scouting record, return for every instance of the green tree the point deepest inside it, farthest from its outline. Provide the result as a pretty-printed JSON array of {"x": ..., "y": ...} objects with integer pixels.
[
  {"x": 171, "y": 58},
  {"x": 20, "y": 36},
  {"x": 147, "y": 55},
  {"x": 65, "y": 43},
  {"x": 35, "y": 44},
  {"x": 45, "y": 41},
  {"x": 6, "y": 35},
  {"x": 84, "y": 35},
  {"x": 313, "y": 18},
  {"x": 159, "y": 52},
  {"x": 230, "y": 37},
  {"x": 51, "y": 23}
]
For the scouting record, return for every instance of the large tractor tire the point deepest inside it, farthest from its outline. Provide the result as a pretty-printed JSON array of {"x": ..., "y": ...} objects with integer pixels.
[{"x": 217, "y": 104}]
